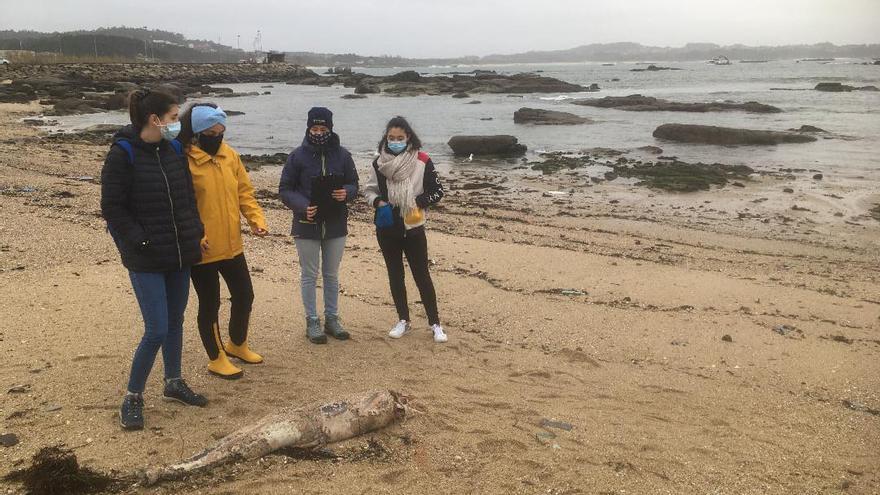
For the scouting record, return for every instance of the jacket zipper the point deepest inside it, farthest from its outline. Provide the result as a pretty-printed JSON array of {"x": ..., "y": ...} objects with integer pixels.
[
  {"x": 173, "y": 217},
  {"x": 219, "y": 169},
  {"x": 323, "y": 173}
]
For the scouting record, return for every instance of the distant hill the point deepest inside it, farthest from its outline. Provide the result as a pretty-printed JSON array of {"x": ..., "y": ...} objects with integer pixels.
[
  {"x": 142, "y": 44},
  {"x": 613, "y": 52},
  {"x": 122, "y": 44},
  {"x": 606, "y": 52},
  {"x": 354, "y": 60}
]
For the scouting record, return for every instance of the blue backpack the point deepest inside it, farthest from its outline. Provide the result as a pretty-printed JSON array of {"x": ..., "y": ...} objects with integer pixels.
[{"x": 125, "y": 144}]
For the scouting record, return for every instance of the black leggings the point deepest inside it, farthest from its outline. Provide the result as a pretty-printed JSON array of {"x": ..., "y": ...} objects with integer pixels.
[
  {"x": 206, "y": 281},
  {"x": 415, "y": 246}
]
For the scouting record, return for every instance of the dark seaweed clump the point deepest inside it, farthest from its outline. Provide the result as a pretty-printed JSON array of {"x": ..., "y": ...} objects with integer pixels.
[{"x": 56, "y": 471}]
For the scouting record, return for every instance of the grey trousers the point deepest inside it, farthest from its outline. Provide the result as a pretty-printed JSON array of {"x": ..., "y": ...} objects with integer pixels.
[{"x": 326, "y": 256}]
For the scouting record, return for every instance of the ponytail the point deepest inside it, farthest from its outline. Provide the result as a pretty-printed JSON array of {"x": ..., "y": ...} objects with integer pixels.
[{"x": 142, "y": 103}]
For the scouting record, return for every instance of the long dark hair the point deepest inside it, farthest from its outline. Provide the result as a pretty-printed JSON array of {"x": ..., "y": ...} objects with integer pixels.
[
  {"x": 401, "y": 123},
  {"x": 142, "y": 103},
  {"x": 187, "y": 135}
]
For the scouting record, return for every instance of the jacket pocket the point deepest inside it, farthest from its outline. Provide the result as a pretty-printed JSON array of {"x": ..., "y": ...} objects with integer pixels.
[{"x": 126, "y": 245}]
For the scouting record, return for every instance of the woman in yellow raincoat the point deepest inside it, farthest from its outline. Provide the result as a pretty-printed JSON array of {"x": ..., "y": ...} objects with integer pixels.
[{"x": 224, "y": 194}]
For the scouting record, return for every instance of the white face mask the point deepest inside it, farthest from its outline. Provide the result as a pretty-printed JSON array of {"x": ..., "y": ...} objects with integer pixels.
[{"x": 170, "y": 131}]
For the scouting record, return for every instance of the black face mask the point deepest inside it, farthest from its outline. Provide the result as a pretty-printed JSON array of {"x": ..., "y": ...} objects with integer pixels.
[
  {"x": 320, "y": 139},
  {"x": 210, "y": 144}
]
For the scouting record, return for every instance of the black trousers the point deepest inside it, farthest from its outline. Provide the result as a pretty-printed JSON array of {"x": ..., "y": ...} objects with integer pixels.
[
  {"x": 206, "y": 280},
  {"x": 414, "y": 244}
]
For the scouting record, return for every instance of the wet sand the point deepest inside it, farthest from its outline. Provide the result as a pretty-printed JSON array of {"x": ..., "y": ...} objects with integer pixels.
[{"x": 607, "y": 309}]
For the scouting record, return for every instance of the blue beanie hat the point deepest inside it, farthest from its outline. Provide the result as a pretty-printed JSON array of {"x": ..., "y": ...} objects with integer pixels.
[
  {"x": 320, "y": 116},
  {"x": 205, "y": 117}
]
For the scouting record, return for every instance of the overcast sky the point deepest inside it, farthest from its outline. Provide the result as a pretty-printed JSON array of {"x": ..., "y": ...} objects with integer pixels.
[{"x": 437, "y": 28}]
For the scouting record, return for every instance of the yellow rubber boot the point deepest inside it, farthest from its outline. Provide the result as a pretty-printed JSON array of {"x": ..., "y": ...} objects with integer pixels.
[
  {"x": 243, "y": 352},
  {"x": 221, "y": 366},
  {"x": 224, "y": 368}
]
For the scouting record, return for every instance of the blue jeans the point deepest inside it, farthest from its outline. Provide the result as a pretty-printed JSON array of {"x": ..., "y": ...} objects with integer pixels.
[
  {"x": 326, "y": 255},
  {"x": 162, "y": 298}
]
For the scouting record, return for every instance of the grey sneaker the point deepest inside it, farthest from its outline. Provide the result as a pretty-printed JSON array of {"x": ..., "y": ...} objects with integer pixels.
[
  {"x": 313, "y": 331},
  {"x": 131, "y": 414},
  {"x": 333, "y": 328},
  {"x": 177, "y": 390}
]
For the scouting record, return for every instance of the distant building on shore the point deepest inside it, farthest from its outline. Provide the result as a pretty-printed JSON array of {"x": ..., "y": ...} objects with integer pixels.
[
  {"x": 270, "y": 57},
  {"x": 274, "y": 57},
  {"x": 18, "y": 55}
]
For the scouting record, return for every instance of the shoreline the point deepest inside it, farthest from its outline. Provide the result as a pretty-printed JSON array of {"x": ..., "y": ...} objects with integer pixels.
[
  {"x": 90, "y": 88},
  {"x": 605, "y": 308},
  {"x": 798, "y": 202}
]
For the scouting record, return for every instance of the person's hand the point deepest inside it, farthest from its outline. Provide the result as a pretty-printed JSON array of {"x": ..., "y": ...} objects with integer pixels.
[
  {"x": 311, "y": 211},
  {"x": 205, "y": 246},
  {"x": 340, "y": 195},
  {"x": 380, "y": 204},
  {"x": 259, "y": 232}
]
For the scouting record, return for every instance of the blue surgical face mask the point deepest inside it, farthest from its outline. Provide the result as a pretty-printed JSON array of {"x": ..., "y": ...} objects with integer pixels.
[
  {"x": 170, "y": 131},
  {"x": 396, "y": 147}
]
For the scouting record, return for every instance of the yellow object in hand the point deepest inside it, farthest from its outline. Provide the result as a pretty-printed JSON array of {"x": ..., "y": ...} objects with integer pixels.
[{"x": 414, "y": 216}]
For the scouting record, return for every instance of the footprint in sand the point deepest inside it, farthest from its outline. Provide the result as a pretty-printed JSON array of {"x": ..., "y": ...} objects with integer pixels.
[
  {"x": 659, "y": 389},
  {"x": 494, "y": 405},
  {"x": 238, "y": 412},
  {"x": 498, "y": 445},
  {"x": 575, "y": 356},
  {"x": 540, "y": 374},
  {"x": 470, "y": 391},
  {"x": 392, "y": 477},
  {"x": 479, "y": 431}
]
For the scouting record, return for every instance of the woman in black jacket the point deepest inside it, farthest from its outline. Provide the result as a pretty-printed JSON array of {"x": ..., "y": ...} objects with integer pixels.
[
  {"x": 148, "y": 202},
  {"x": 402, "y": 186}
]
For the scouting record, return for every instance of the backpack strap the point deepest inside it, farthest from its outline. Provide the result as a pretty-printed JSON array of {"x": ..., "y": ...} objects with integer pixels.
[
  {"x": 178, "y": 147},
  {"x": 125, "y": 144}
]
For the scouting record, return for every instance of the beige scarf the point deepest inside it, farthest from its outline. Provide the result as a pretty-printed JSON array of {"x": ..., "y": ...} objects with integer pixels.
[{"x": 400, "y": 173}]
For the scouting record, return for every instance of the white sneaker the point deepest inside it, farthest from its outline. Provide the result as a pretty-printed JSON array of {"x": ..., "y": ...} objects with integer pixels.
[
  {"x": 401, "y": 328},
  {"x": 439, "y": 335}
]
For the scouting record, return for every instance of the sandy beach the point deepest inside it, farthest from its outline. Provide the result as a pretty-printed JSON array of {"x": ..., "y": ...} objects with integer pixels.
[{"x": 718, "y": 342}]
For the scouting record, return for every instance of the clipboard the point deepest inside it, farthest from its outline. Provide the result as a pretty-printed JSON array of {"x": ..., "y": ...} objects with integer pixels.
[{"x": 322, "y": 196}]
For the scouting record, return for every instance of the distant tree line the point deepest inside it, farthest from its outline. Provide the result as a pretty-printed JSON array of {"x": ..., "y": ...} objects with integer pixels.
[
  {"x": 133, "y": 44},
  {"x": 143, "y": 44}
]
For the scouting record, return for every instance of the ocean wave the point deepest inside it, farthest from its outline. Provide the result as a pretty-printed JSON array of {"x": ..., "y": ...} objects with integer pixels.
[{"x": 558, "y": 98}]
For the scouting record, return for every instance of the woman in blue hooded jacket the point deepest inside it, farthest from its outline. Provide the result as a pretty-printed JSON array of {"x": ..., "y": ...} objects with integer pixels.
[{"x": 320, "y": 223}]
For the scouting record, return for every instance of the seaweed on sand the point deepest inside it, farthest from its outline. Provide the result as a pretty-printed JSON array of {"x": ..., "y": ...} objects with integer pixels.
[
  {"x": 56, "y": 471},
  {"x": 684, "y": 177},
  {"x": 554, "y": 162}
]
